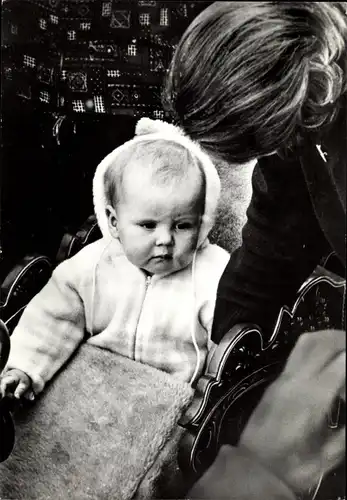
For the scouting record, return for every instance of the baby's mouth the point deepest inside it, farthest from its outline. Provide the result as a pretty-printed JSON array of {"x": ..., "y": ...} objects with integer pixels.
[{"x": 165, "y": 257}]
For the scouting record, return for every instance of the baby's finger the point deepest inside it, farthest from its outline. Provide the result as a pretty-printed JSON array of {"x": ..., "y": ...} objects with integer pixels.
[
  {"x": 21, "y": 389},
  {"x": 29, "y": 395},
  {"x": 2, "y": 389},
  {"x": 7, "y": 383}
]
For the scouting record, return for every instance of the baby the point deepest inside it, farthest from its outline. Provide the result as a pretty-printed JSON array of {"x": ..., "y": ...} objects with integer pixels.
[{"x": 147, "y": 288}]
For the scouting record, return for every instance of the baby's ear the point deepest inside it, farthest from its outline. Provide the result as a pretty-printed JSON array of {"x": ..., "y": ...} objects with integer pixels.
[{"x": 112, "y": 221}]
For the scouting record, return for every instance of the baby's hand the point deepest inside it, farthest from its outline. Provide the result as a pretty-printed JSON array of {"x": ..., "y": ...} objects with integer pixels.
[{"x": 15, "y": 382}]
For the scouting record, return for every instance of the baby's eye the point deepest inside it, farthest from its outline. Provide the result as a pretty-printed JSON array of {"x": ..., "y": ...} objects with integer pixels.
[
  {"x": 184, "y": 226},
  {"x": 148, "y": 225}
]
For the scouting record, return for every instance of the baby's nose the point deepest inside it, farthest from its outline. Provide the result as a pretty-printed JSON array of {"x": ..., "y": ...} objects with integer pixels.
[{"x": 163, "y": 236}]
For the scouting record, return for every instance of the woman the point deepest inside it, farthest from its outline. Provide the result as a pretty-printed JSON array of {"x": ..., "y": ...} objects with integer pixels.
[
  {"x": 267, "y": 81},
  {"x": 252, "y": 78}
]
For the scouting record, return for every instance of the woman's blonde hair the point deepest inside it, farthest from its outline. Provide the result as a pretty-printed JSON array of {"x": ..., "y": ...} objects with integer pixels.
[{"x": 248, "y": 78}]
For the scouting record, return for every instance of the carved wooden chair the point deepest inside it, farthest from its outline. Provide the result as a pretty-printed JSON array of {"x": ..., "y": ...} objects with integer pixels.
[
  {"x": 246, "y": 362},
  {"x": 241, "y": 367}
]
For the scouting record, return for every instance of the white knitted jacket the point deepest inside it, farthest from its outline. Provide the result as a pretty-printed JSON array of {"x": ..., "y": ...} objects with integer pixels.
[{"x": 100, "y": 297}]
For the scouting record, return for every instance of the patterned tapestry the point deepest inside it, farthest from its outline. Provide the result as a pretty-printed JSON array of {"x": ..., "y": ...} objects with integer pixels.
[
  {"x": 76, "y": 75},
  {"x": 90, "y": 56}
]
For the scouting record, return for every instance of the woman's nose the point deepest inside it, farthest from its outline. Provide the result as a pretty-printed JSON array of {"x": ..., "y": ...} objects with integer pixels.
[{"x": 163, "y": 236}]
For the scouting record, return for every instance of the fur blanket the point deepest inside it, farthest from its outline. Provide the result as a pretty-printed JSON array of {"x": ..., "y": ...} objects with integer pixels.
[{"x": 104, "y": 428}]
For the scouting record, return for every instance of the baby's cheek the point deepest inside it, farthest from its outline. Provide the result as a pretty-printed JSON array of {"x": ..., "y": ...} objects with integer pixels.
[
  {"x": 188, "y": 248},
  {"x": 194, "y": 240}
]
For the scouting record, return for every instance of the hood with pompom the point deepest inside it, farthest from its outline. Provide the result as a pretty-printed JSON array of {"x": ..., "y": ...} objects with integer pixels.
[{"x": 157, "y": 129}]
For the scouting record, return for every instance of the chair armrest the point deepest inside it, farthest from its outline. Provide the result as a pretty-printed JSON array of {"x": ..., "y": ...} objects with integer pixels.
[
  {"x": 239, "y": 365},
  {"x": 212, "y": 384},
  {"x": 72, "y": 242},
  {"x": 7, "y": 431},
  {"x": 246, "y": 361},
  {"x": 4, "y": 345},
  {"x": 21, "y": 284}
]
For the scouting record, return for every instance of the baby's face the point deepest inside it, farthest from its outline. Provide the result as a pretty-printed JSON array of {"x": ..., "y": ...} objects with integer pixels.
[{"x": 158, "y": 225}]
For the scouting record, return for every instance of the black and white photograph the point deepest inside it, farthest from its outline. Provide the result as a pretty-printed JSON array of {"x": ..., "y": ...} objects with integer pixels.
[{"x": 173, "y": 250}]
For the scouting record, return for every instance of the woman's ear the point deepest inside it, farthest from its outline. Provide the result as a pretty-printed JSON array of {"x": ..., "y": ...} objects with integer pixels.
[{"x": 112, "y": 221}]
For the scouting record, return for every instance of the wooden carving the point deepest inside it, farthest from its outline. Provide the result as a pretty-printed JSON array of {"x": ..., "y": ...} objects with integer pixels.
[{"x": 246, "y": 362}]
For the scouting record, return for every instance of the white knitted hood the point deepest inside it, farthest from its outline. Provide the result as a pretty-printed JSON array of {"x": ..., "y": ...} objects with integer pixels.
[{"x": 157, "y": 129}]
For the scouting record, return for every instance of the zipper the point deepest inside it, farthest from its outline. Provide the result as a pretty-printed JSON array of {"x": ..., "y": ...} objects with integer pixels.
[{"x": 147, "y": 284}]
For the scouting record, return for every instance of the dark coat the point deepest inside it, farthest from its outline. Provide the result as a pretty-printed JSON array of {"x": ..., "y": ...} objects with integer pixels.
[{"x": 297, "y": 215}]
